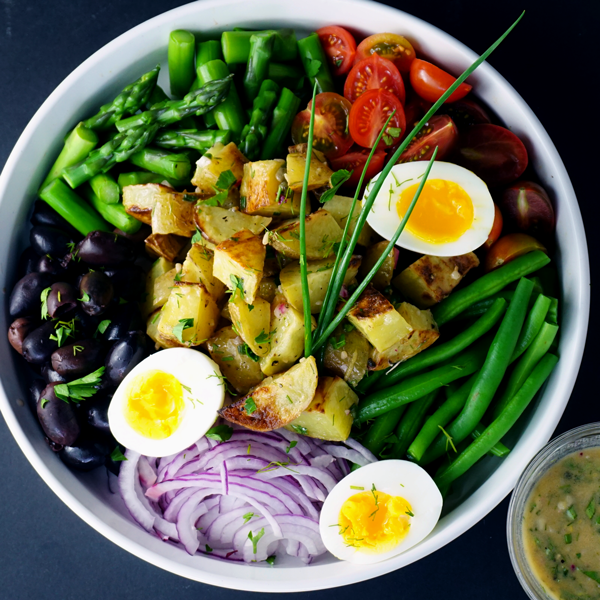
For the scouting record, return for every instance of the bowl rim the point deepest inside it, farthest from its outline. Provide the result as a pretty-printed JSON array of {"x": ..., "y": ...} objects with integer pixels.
[{"x": 481, "y": 501}]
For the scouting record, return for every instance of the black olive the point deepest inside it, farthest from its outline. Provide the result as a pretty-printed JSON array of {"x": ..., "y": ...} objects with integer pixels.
[
  {"x": 50, "y": 241},
  {"x": 124, "y": 355},
  {"x": 51, "y": 376},
  {"x": 35, "y": 391},
  {"x": 79, "y": 358},
  {"x": 87, "y": 454},
  {"x": 85, "y": 324},
  {"x": 103, "y": 249},
  {"x": 25, "y": 297},
  {"x": 96, "y": 292},
  {"x": 19, "y": 330},
  {"x": 43, "y": 214},
  {"x": 97, "y": 413},
  {"x": 38, "y": 346},
  {"x": 128, "y": 282},
  {"x": 53, "y": 445},
  {"x": 52, "y": 266},
  {"x": 27, "y": 262},
  {"x": 61, "y": 300},
  {"x": 58, "y": 418},
  {"x": 127, "y": 318}
]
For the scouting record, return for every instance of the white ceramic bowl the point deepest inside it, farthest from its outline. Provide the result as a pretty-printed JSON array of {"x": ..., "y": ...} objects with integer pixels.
[{"x": 95, "y": 82}]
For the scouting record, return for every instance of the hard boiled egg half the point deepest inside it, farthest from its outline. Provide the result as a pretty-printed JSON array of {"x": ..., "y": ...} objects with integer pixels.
[
  {"x": 379, "y": 511},
  {"x": 167, "y": 402},
  {"x": 453, "y": 215}
]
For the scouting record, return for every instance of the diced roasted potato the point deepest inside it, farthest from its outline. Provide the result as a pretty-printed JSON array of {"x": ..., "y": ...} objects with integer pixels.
[
  {"x": 424, "y": 333},
  {"x": 239, "y": 263},
  {"x": 286, "y": 337},
  {"x": 198, "y": 268},
  {"x": 375, "y": 317},
  {"x": 431, "y": 278},
  {"x": 154, "y": 299},
  {"x": 139, "y": 200},
  {"x": 250, "y": 321},
  {"x": 319, "y": 174},
  {"x": 219, "y": 224},
  {"x": 277, "y": 400},
  {"x": 241, "y": 371},
  {"x": 319, "y": 276},
  {"x": 173, "y": 214},
  {"x": 383, "y": 277},
  {"x": 190, "y": 315},
  {"x": 328, "y": 415},
  {"x": 267, "y": 289},
  {"x": 168, "y": 246},
  {"x": 217, "y": 160},
  {"x": 322, "y": 233},
  {"x": 339, "y": 208},
  {"x": 231, "y": 201},
  {"x": 160, "y": 291},
  {"x": 347, "y": 354}
]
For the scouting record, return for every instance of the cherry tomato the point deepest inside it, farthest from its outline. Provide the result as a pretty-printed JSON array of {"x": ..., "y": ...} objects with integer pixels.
[
  {"x": 465, "y": 112},
  {"x": 493, "y": 153},
  {"x": 508, "y": 248},
  {"x": 496, "y": 230},
  {"x": 439, "y": 131},
  {"x": 355, "y": 161},
  {"x": 430, "y": 82},
  {"x": 340, "y": 48},
  {"x": 331, "y": 135},
  {"x": 388, "y": 45},
  {"x": 369, "y": 114},
  {"x": 371, "y": 74},
  {"x": 528, "y": 209}
]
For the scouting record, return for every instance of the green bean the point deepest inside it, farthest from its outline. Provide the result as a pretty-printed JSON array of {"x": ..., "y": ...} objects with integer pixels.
[
  {"x": 261, "y": 51},
  {"x": 315, "y": 63},
  {"x": 236, "y": 45},
  {"x": 540, "y": 346},
  {"x": 286, "y": 75},
  {"x": 532, "y": 325},
  {"x": 283, "y": 115},
  {"x": 492, "y": 372},
  {"x": 440, "y": 418},
  {"x": 437, "y": 354},
  {"x": 488, "y": 284},
  {"x": 500, "y": 426},
  {"x": 383, "y": 426},
  {"x": 73, "y": 208},
  {"x": 416, "y": 387},
  {"x": 181, "y": 51},
  {"x": 499, "y": 449},
  {"x": 553, "y": 312},
  {"x": 106, "y": 188},
  {"x": 115, "y": 214},
  {"x": 167, "y": 164},
  {"x": 451, "y": 388},
  {"x": 411, "y": 423},
  {"x": 368, "y": 381}
]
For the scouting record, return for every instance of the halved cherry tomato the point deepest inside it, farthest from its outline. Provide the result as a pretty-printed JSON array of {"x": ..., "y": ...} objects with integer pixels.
[
  {"x": 371, "y": 74},
  {"x": 493, "y": 153},
  {"x": 369, "y": 114},
  {"x": 388, "y": 45},
  {"x": 508, "y": 248},
  {"x": 496, "y": 230},
  {"x": 465, "y": 112},
  {"x": 439, "y": 131},
  {"x": 331, "y": 134},
  {"x": 355, "y": 161},
  {"x": 430, "y": 82},
  {"x": 528, "y": 209},
  {"x": 340, "y": 48}
]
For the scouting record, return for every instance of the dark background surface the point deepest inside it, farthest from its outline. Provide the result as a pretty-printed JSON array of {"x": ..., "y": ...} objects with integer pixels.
[{"x": 551, "y": 59}]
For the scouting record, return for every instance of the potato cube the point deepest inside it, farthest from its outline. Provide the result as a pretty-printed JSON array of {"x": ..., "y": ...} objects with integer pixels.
[
  {"x": 198, "y": 268},
  {"x": 173, "y": 214},
  {"x": 154, "y": 298},
  {"x": 139, "y": 200},
  {"x": 328, "y": 415},
  {"x": 347, "y": 354},
  {"x": 383, "y": 277},
  {"x": 219, "y": 224},
  {"x": 277, "y": 400},
  {"x": 217, "y": 160},
  {"x": 339, "y": 208},
  {"x": 169, "y": 246},
  {"x": 319, "y": 174},
  {"x": 250, "y": 321},
  {"x": 375, "y": 317},
  {"x": 239, "y": 264},
  {"x": 431, "y": 278}
]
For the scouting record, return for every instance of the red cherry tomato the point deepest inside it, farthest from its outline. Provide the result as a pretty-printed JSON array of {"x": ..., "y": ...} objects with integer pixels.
[
  {"x": 430, "y": 82},
  {"x": 340, "y": 48},
  {"x": 388, "y": 45},
  {"x": 331, "y": 135},
  {"x": 355, "y": 161},
  {"x": 371, "y": 74},
  {"x": 439, "y": 131},
  {"x": 369, "y": 114},
  {"x": 496, "y": 228},
  {"x": 465, "y": 112},
  {"x": 493, "y": 153},
  {"x": 508, "y": 248},
  {"x": 528, "y": 209}
]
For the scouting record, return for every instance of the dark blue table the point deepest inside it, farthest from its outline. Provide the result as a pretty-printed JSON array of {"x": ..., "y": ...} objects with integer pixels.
[{"x": 551, "y": 59}]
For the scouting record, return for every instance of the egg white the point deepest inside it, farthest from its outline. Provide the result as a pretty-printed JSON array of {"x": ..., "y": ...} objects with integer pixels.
[
  {"x": 193, "y": 370},
  {"x": 396, "y": 478},
  {"x": 384, "y": 218}
]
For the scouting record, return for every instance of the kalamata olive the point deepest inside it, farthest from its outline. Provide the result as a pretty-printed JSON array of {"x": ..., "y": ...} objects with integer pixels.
[
  {"x": 53, "y": 445},
  {"x": 38, "y": 346},
  {"x": 103, "y": 249},
  {"x": 128, "y": 282},
  {"x": 27, "y": 262},
  {"x": 465, "y": 112},
  {"x": 51, "y": 376},
  {"x": 25, "y": 297},
  {"x": 57, "y": 417},
  {"x": 97, "y": 413},
  {"x": 43, "y": 214},
  {"x": 50, "y": 241},
  {"x": 127, "y": 318},
  {"x": 61, "y": 300},
  {"x": 78, "y": 359},
  {"x": 35, "y": 391},
  {"x": 124, "y": 355},
  {"x": 86, "y": 324},
  {"x": 96, "y": 292},
  {"x": 87, "y": 454},
  {"x": 19, "y": 330},
  {"x": 52, "y": 266}
]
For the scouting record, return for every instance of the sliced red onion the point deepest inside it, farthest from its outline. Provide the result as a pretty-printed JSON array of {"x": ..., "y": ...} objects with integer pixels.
[
  {"x": 224, "y": 478},
  {"x": 146, "y": 471},
  {"x": 361, "y": 450}
]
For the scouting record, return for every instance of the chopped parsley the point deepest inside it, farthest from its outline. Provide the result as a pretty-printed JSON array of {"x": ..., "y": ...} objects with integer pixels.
[
  {"x": 80, "y": 388},
  {"x": 248, "y": 516},
  {"x": 85, "y": 297},
  {"x": 292, "y": 445},
  {"x": 254, "y": 538},
  {"x": 181, "y": 327},
  {"x": 221, "y": 433},
  {"x": 44, "y": 299},
  {"x": 336, "y": 181},
  {"x": 313, "y": 66},
  {"x": 245, "y": 350},
  {"x": 102, "y": 326},
  {"x": 116, "y": 455},
  {"x": 299, "y": 429},
  {"x": 262, "y": 337},
  {"x": 250, "y": 405}
]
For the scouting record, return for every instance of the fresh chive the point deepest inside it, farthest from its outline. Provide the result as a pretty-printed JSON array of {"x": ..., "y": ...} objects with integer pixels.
[
  {"x": 568, "y": 538},
  {"x": 571, "y": 513},
  {"x": 590, "y": 511},
  {"x": 356, "y": 487}
]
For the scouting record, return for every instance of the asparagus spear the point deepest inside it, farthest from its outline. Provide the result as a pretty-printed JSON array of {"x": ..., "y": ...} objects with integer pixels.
[
  {"x": 130, "y": 141},
  {"x": 191, "y": 138},
  {"x": 254, "y": 134},
  {"x": 129, "y": 101},
  {"x": 207, "y": 51},
  {"x": 315, "y": 64},
  {"x": 182, "y": 47},
  {"x": 261, "y": 51},
  {"x": 115, "y": 214},
  {"x": 286, "y": 75},
  {"x": 283, "y": 115},
  {"x": 156, "y": 95},
  {"x": 170, "y": 166},
  {"x": 106, "y": 188},
  {"x": 236, "y": 45}
]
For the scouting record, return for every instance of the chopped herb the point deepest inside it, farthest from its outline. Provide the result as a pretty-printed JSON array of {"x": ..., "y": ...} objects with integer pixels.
[
  {"x": 103, "y": 326},
  {"x": 250, "y": 307},
  {"x": 590, "y": 511},
  {"x": 116, "y": 455},
  {"x": 208, "y": 548},
  {"x": 248, "y": 451},
  {"x": 338, "y": 178},
  {"x": 289, "y": 400},
  {"x": 357, "y": 487},
  {"x": 224, "y": 383},
  {"x": 77, "y": 349},
  {"x": 85, "y": 297},
  {"x": 339, "y": 343},
  {"x": 64, "y": 330},
  {"x": 578, "y": 555},
  {"x": 221, "y": 433},
  {"x": 270, "y": 560},
  {"x": 156, "y": 316},
  {"x": 250, "y": 405},
  {"x": 181, "y": 327},
  {"x": 178, "y": 276},
  {"x": 571, "y": 513},
  {"x": 262, "y": 337},
  {"x": 338, "y": 62},
  {"x": 292, "y": 445},
  {"x": 80, "y": 388},
  {"x": 391, "y": 134},
  {"x": 568, "y": 538},
  {"x": 189, "y": 197},
  {"x": 44, "y": 299},
  {"x": 43, "y": 402},
  {"x": 238, "y": 284},
  {"x": 595, "y": 575},
  {"x": 254, "y": 538},
  {"x": 409, "y": 513},
  {"x": 197, "y": 238},
  {"x": 448, "y": 439},
  {"x": 348, "y": 327},
  {"x": 243, "y": 202},
  {"x": 226, "y": 180},
  {"x": 227, "y": 358},
  {"x": 313, "y": 66},
  {"x": 299, "y": 429},
  {"x": 245, "y": 350}
]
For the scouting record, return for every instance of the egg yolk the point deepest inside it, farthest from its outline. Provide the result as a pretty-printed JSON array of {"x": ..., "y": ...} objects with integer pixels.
[
  {"x": 154, "y": 404},
  {"x": 374, "y": 522},
  {"x": 443, "y": 213}
]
